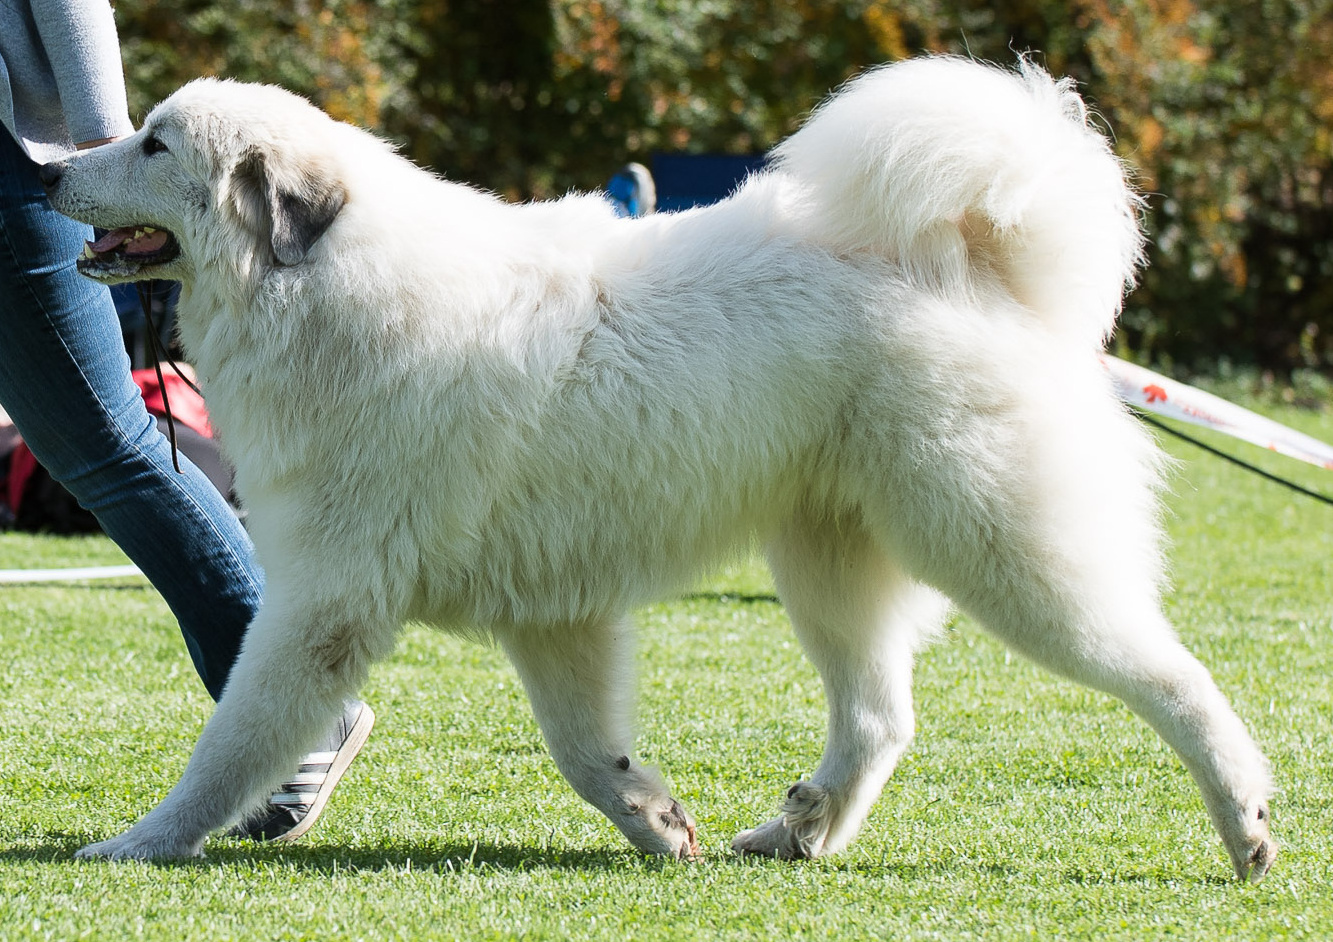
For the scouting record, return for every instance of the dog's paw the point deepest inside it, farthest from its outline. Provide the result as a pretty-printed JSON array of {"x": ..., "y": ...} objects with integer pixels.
[
  {"x": 1256, "y": 850},
  {"x": 135, "y": 846},
  {"x": 662, "y": 828},
  {"x": 798, "y": 833},
  {"x": 645, "y": 812},
  {"x": 1256, "y": 866}
]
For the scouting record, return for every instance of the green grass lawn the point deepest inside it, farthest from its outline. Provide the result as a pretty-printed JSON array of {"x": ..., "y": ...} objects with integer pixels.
[{"x": 1028, "y": 808}]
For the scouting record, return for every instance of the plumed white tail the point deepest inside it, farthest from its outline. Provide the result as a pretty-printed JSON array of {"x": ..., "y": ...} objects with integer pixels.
[{"x": 956, "y": 169}]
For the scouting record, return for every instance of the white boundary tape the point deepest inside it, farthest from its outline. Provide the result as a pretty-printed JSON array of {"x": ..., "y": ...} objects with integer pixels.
[
  {"x": 1152, "y": 392},
  {"x": 11, "y": 576}
]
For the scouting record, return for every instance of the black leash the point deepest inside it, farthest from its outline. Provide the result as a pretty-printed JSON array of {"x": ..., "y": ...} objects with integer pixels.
[
  {"x": 1233, "y": 459},
  {"x": 157, "y": 351}
]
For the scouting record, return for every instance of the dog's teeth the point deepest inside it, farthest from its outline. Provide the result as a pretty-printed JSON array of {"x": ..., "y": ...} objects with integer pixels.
[{"x": 88, "y": 251}]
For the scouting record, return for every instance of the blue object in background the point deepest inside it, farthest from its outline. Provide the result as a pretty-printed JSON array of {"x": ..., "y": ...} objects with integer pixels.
[
  {"x": 632, "y": 191},
  {"x": 685, "y": 180},
  {"x": 679, "y": 181}
]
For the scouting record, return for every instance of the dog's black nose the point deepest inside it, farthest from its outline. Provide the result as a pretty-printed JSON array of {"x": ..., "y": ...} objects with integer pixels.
[{"x": 49, "y": 174}]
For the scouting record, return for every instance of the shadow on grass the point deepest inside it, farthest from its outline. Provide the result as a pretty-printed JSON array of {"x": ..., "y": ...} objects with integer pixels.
[
  {"x": 1076, "y": 877},
  {"x": 440, "y": 857},
  {"x": 732, "y": 597},
  {"x": 436, "y": 857},
  {"x": 965, "y": 869},
  {"x": 446, "y": 857}
]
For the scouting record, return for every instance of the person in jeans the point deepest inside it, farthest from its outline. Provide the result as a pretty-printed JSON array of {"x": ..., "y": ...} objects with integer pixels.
[{"x": 65, "y": 376}]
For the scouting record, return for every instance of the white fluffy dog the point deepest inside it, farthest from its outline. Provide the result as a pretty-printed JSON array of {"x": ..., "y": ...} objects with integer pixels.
[{"x": 880, "y": 356}]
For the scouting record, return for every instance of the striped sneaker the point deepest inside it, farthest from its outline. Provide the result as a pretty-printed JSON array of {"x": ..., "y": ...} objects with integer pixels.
[{"x": 293, "y": 809}]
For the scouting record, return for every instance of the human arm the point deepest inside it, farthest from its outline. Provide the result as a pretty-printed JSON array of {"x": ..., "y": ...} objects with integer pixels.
[{"x": 79, "y": 37}]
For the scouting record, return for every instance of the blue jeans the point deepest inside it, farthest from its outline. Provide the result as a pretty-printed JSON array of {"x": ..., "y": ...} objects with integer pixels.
[{"x": 65, "y": 381}]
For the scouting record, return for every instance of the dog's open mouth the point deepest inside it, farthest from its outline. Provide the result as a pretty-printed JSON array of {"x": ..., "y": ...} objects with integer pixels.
[{"x": 125, "y": 252}]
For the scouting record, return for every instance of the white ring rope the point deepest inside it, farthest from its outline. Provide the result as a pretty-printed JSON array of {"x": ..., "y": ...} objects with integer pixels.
[{"x": 13, "y": 576}]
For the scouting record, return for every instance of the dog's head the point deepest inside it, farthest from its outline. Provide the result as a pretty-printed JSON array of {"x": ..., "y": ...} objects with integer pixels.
[{"x": 216, "y": 164}]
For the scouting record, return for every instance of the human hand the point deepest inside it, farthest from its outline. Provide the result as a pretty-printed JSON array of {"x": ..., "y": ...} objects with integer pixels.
[{"x": 85, "y": 145}]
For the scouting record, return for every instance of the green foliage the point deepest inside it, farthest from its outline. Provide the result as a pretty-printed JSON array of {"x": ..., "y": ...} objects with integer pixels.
[
  {"x": 344, "y": 54},
  {"x": 1027, "y": 808},
  {"x": 1228, "y": 111},
  {"x": 1224, "y": 110}
]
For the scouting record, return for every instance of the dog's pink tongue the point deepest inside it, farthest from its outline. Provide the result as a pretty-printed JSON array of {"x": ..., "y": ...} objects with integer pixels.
[
  {"x": 148, "y": 243},
  {"x": 134, "y": 240},
  {"x": 112, "y": 240}
]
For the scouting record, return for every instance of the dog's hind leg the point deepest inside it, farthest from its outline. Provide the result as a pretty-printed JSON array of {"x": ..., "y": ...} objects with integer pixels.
[
  {"x": 1049, "y": 543},
  {"x": 284, "y": 692},
  {"x": 860, "y": 620},
  {"x": 578, "y": 679},
  {"x": 1131, "y": 652}
]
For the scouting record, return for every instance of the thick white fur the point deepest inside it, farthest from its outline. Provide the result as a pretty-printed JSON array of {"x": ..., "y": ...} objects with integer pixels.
[{"x": 880, "y": 356}]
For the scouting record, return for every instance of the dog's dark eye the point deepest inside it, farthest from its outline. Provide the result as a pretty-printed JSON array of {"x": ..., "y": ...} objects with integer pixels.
[{"x": 152, "y": 144}]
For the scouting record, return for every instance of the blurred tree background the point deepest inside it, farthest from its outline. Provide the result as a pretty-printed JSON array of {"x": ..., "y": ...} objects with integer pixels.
[{"x": 1224, "y": 108}]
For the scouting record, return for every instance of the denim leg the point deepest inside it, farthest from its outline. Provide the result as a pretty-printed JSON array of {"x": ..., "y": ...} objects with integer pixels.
[{"x": 65, "y": 381}]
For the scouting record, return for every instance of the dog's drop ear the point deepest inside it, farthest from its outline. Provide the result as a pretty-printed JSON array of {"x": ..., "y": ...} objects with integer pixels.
[
  {"x": 291, "y": 203},
  {"x": 303, "y": 213}
]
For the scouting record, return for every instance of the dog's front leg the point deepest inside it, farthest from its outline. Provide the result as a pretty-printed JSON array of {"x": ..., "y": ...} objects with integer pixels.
[
  {"x": 285, "y": 690},
  {"x": 241, "y": 754},
  {"x": 578, "y": 679}
]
